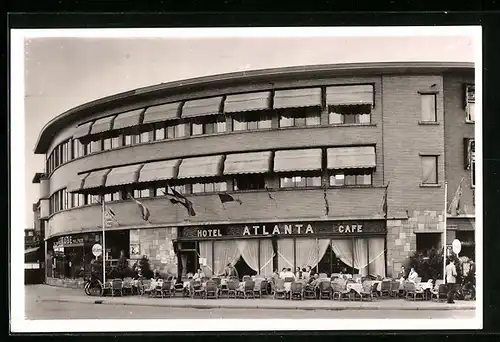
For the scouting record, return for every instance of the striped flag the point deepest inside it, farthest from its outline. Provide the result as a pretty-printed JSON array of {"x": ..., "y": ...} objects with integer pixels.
[
  {"x": 177, "y": 198},
  {"x": 145, "y": 214},
  {"x": 455, "y": 202},
  {"x": 228, "y": 198}
]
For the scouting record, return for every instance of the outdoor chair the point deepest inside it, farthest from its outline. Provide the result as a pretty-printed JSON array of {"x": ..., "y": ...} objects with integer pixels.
[
  {"x": 375, "y": 292},
  {"x": 264, "y": 284},
  {"x": 107, "y": 288},
  {"x": 413, "y": 292},
  {"x": 257, "y": 290},
  {"x": 309, "y": 292},
  {"x": 439, "y": 293},
  {"x": 232, "y": 286},
  {"x": 340, "y": 291},
  {"x": 117, "y": 289},
  {"x": 127, "y": 286},
  {"x": 197, "y": 289},
  {"x": 211, "y": 289},
  {"x": 366, "y": 292},
  {"x": 297, "y": 291},
  {"x": 158, "y": 289},
  {"x": 325, "y": 290},
  {"x": 217, "y": 281},
  {"x": 279, "y": 289},
  {"x": 249, "y": 289},
  {"x": 166, "y": 289},
  {"x": 394, "y": 288},
  {"x": 245, "y": 278},
  {"x": 145, "y": 287},
  {"x": 385, "y": 288}
]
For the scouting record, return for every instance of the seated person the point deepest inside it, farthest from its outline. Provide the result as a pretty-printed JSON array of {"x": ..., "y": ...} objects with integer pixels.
[
  {"x": 305, "y": 274},
  {"x": 199, "y": 274},
  {"x": 413, "y": 275},
  {"x": 282, "y": 273},
  {"x": 289, "y": 274}
]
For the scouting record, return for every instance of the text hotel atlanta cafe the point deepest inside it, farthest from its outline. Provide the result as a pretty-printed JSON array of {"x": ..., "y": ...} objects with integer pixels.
[{"x": 339, "y": 167}]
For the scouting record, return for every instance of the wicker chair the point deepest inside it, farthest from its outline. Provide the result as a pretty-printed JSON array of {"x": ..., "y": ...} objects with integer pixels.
[
  {"x": 264, "y": 284},
  {"x": 116, "y": 287},
  {"x": 107, "y": 288},
  {"x": 279, "y": 289},
  {"x": 257, "y": 290},
  {"x": 232, "y": 286},
  {"x": 297, "y": 290},
  {"x": 127, "y": 286},
  {"x": 245, "y": 278},
  {"x": 247, "y": 291},
  {"x": 197, "y": 289},
  {"x": 366, "y": 292},
  {"x": 217, "y": 281},
  {"x": 440, "y": 292},
  {"x": 394, "y": 288},
  {"x": 385, "y": 288},
  {"x": 340, "y": 291},
  {"x": 325, "y": 290},
  {"x": 309, "y": 292},
  {"x": 166, "y": 289},
  {"x": 211, "y": 289},
  {"x": 412, "y": 291}
]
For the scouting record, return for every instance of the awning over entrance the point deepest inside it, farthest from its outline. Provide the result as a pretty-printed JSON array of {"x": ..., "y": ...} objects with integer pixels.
[
  {"x": 164, "y": 112},
  {"x": 128, "y": 119},
  {"x": 359, "y": 157},
  {"x": 201, "y": 107},
  {"x": 102, "y": 125},
  {"x": 95, "y": 179},
  {"x": 82, "y": 130},
  {"x": 76, "y": 185},
  {"x": 294, "y": 98},
  {"x": 123, "y": 175},
  {"x": 297, "y": 160},
  {"x": 244, "y": 163},
  {"x": 161, "y": 170},
  {"x": 200, "y": 167},
  {"x": 350, "y": 95},
  {"x": 247, "y": 102}
]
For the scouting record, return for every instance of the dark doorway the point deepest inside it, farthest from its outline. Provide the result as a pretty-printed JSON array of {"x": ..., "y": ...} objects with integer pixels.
[{"x": 243, "y": 268}]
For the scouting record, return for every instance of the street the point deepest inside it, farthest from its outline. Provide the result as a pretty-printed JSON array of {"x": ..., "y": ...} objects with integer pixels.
[{"x": 57, "y": 310}]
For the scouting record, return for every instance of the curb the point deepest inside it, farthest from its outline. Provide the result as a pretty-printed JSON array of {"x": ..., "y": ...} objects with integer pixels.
[{"x": 262, "y": 307}]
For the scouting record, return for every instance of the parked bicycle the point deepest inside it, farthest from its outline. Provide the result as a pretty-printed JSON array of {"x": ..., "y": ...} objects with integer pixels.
[
  {"x": 466, "y": 290},
  {"x": 93, "y": 286}
]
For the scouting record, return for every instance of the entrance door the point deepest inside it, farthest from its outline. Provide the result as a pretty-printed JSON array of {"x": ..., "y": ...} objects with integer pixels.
[{"x": 188, "y": 262}]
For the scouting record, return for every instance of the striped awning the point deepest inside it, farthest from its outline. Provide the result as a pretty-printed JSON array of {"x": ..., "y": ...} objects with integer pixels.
[
  {"x": 95, "y": 179},
  {"x": 128, "y": 119},
  {"x": 77, "y": 184},
  {"x": 244, "y": 163},
  {"x": 164, "y": 112},
  {"x": 295, "y": 98},
  {"x": 123, "y": 175},
  {"x": 297, "y": 160},
  {"x": 200, "y": 167},
  {"x": 247, "y": 102},
  {"x": 102, "y": 125},
  {"x": 201, "y": 107},
  {"x": 361, "y": 157},
  {"x": 161, "y": 170},
  {"x": 82, "y": 130},
  {"x": 350, "y": 95}
]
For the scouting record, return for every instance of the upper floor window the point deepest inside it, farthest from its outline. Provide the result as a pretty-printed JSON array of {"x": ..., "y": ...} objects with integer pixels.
[
  {"x": 251, "y": 120},
  {"x": 349, "y": 114},
  {"x": 300, "y": 180},
  {"x": 428, "y": 108},
  {"x": 249, "y": 182},
  {"x": 78, "y": 148},
  {"x": 429, "y": 169},
  {"x": 470, "y": 99},
  {"x": 114, "y": 196},
  {"x": 209, "y": 125},
  {"x": 299, "y": 117},
  {"x": 350, "y": 177},
  {"x": 141, "y": 193},
  {"x": 209, "y": 187}
]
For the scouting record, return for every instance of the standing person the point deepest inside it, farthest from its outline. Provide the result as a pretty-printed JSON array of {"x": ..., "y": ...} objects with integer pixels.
[
  {"x": 451, "y": 279},
  {"x": 282, "y": 273},
  {"x": 298, "y": 273}
]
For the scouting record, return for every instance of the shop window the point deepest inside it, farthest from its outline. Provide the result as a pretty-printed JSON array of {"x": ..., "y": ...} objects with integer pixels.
[
  {"x": 209, "y": 187},
  {"x": 429, "y": 169},
  {"x": 470, "y": 99},
  {"x": 428, "y": 105},
  {"x": 349, "y": 114},
  {"x": 467, "y": 240},
  {"x": 209, "y": 125},
  {"x": 249, "y": 182},
  {"x": 426, "y": 241},
  {"x": 300, "y": 117},
  {"x": 142, "y": 193},
  {"x": 352, "y": 177},
  {"x": 251, "y": 121},
  {"x": 300, "y": 181}
]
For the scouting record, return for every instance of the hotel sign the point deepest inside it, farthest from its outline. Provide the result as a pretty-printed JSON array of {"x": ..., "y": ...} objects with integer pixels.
[{"x": 284, "y": 229}]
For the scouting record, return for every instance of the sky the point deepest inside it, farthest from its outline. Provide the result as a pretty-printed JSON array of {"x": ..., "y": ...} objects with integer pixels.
[{"x": 64, "y": 72}]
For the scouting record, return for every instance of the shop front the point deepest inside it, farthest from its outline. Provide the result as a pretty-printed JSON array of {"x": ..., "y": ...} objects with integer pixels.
[{"x": 356, "y": 247}]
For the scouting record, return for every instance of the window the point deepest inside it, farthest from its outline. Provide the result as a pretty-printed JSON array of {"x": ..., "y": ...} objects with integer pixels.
[
  {"x": 209, "y": 125},
  {"x": 107, "y": 144},
  {"x": 114, "y": 196},
  {"x": 300, "y": 181},
  {"x": 96, "y": 146},
  {"x": 429, "y": 169},
  {"x": 159, "y": 133},
  {"x": 78, "y": 149},
  {"x": 181, "y": 130},
  {"x": 144, "y": 137},
  {"x": 249, "y": 182},
  {"x": 473, "y": 174},
  {"x": 250, "y": 121},
  {"x": 349, "y": 114},
  {"x": 300, "y": 117},
  {"x": 127, "y": 139},
  {"x": 428, "y": 109},
  {"x": 426, "y": 241},
  {"x": 209, "y": 187},
  {"x": 141, "y": 193},
  {"x": 64, "y": 195},
  {"x": 351, "y": 177},
  {"x": 470, "y": 99}
]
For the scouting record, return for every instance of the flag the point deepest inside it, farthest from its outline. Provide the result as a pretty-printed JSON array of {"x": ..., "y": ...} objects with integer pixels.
[
  {"x": 384, "y": 204},
  {"x": 455, "y": 202},
  {"x": 327, "y": 207},
  {"x": 177, "y": 198},
  {"x": 271, "y": 196},
  {"x": 110, "y": 215},
  {"x": 144, "y": 210},
  {"x": 228, "y": 198}
]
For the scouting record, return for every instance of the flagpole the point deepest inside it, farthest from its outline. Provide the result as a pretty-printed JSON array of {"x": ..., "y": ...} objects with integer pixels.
[
  {"x": 444, "y": 232},
  {"x": 103, "y": 242}
]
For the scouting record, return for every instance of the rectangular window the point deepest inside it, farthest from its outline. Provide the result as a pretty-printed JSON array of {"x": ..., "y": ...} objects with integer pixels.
[
  {"x": 208, "y": 187},
  {"x": 96, "y": 146},
  {"x": 107, "y": 144},
  {"x": 300, "y": 117},
  {"x": 251, "y": 121},
  {"x": 161, "y": 191},
  {"x": 127, "y": 140},
  {"x": 159, "y": 133},
  {"x": 180, "y": 188},
  {"x": 349, "y": 114},
  {"x": 249, "y": 182},
  {"x": 141, "y": 193},
  {"x": 77, "y": 148},
  {"x": 470, "y": 99},
  {"x": 170, "y": 132},
  {"x": 181, "y": 130},
  {"x": 144, "y": 137},
  {"x": 74, "y": 200},
  {"x": 197, "y": 129},
  {"x": 301, "y": 181},
  {"x": 473, "y": 173},
  {"x": 198, "y": 188},
  {"x": 429, "y": 169},
  {"x": 354, "y": 177},
  {"x": 65, "y": 199},
  {"x": 428, "y": 108}
]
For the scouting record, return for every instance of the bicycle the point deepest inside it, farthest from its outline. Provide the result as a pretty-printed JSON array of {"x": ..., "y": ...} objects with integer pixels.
[
  {"x": 93, "y": 287},
  {"x": 466, "y": 291}
]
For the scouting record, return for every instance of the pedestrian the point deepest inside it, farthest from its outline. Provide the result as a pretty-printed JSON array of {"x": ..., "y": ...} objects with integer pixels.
[{"x": 451, "y": 280}]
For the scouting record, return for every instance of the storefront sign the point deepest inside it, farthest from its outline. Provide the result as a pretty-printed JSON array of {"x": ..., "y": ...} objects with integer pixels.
[
  {"x": 68, "y": 241},
  {"x": 284, "y": 229},
  {"x": 97, "y": 250}
]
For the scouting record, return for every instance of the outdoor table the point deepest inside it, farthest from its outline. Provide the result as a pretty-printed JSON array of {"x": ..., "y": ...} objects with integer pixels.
[{"x": 355, "y": 287}]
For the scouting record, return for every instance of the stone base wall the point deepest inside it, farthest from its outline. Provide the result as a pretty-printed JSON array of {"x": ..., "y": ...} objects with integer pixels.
[
  {"x": 401, "y": 237},
  {"x": 156, "y": 244},
  {"x": 69, "y": 283}
]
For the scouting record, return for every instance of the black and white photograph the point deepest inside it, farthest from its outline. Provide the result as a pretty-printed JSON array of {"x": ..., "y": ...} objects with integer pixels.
[{"x": 239, "y": 179}]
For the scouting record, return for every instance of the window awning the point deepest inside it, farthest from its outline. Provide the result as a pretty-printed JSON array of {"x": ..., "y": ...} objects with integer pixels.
[
  {"x": 201, "y": 107},
  {"x": 128, "y": 119},
  {"x": 102, "y": 125},
  {"x": 247, "y": 102},
  {"x": 95, "y": 179},
  {"x": 164, "y": 112},
  {"x": 244, "y": 163},
  {"x": 200, "y": 167},
  {"x": 123, "y": 175},
  {"x": 76, "y": 185},
  {"x": 297, "y": 160},
  {"x": 350, "y": 95},
  {"x": 82, "y": 130},
  {"x": 161, "y": 170},
  {"x": 351, "y": 157},
  {"x": 295, "y": 98}
]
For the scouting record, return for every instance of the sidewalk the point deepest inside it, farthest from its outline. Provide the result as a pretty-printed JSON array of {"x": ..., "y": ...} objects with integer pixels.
[{"x": 64, "y": 295}]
